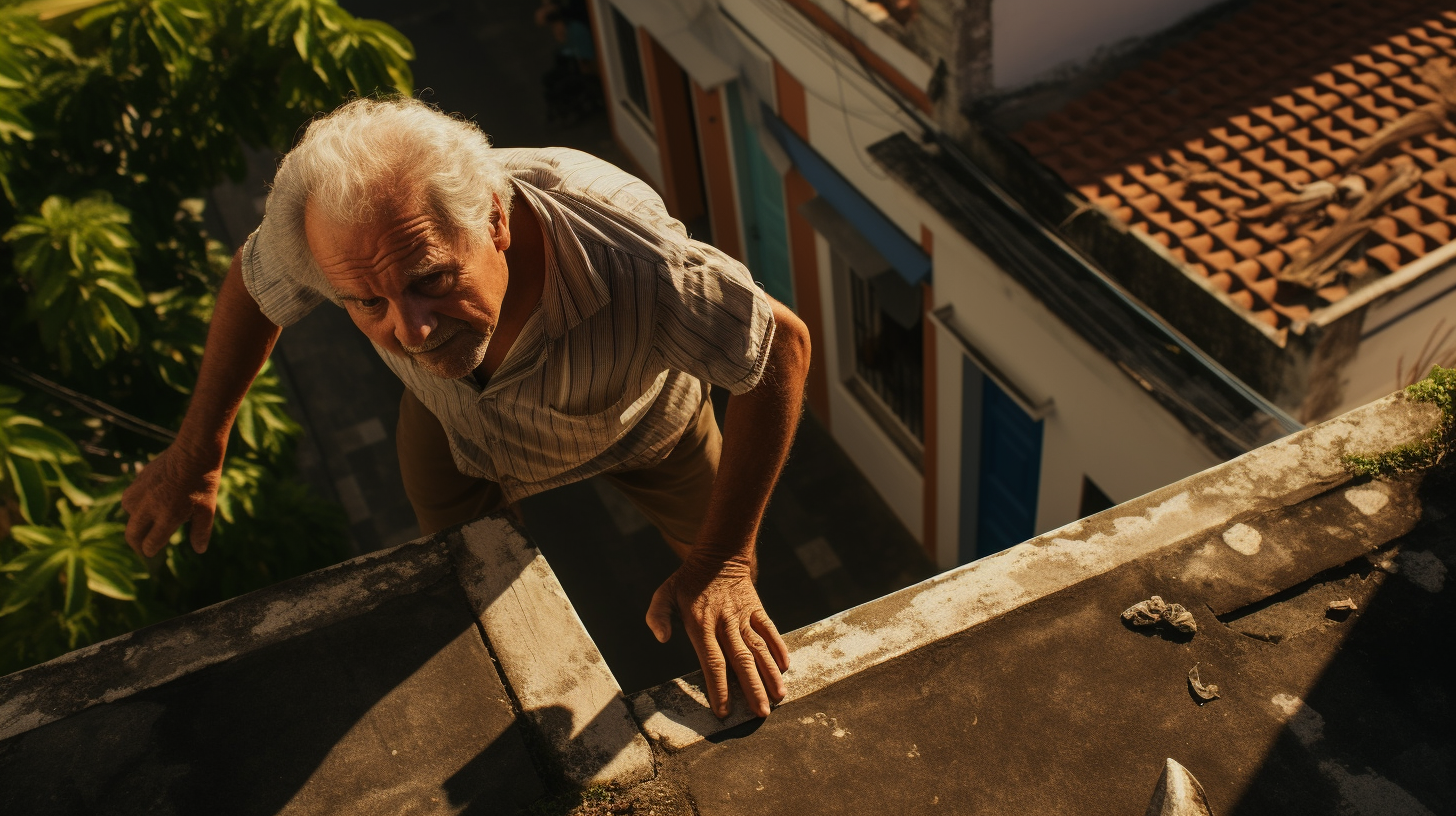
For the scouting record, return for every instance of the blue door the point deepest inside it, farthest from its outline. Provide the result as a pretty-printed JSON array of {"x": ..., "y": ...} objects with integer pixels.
[
  {"x": 761, "y": 199},
  {"x": 1000, "y": 468}
]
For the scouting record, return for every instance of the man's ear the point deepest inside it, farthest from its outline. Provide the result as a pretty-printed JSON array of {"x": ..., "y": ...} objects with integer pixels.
[{"x": 500, "y": 226}]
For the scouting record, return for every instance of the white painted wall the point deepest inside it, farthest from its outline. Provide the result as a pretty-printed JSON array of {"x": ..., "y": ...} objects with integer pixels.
[
  {"x": 1103, "y": 424},
  {"x": 1419, "y": 318},
  {"x": 881, "y": 461},
  {"x": 1031, "y": 39},
  {"x": 636, "y": 138}
]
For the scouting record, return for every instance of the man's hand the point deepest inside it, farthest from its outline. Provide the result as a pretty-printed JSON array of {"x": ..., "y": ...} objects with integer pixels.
[
  {"x": 181, "y": 484},
  {"x": 727, "y": 624},
  {"x": 176, "y": 487}
]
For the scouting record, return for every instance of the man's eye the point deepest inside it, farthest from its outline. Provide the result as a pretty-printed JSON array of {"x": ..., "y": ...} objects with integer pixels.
[
  {"x": 436, "y": 283},
  {"x": 369, "y": 303}
]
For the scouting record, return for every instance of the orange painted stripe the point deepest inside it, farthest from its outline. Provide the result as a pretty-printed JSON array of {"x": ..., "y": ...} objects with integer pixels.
[
  {"x": 718, "y": 170},
  {"x": 931, "y": 433},
  {"x": 803, "y": 255},
  {"x": 793, "y": 107},
  {"x": 819, "y": 17}
]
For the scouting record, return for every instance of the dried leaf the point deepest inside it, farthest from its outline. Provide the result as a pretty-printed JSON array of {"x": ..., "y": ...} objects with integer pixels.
[
  {"x": 1145, "y": 613},
  {"x": 1204, "y": 692}
]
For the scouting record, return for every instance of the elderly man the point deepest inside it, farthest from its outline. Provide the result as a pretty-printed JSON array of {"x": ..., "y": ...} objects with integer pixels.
[{"x": 550, "y": 323}]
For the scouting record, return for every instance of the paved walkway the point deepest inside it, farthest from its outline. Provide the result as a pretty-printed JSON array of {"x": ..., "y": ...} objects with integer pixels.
[{"x": 828, "y": 541}]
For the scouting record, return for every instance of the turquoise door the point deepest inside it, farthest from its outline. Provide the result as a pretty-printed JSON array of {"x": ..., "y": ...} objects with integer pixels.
[{"x": 761, "y": 199}]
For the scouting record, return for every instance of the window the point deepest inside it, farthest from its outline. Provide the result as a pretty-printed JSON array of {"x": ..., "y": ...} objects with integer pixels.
[
  {"x": 631, "y": 61},
  {"x": 1094, "y": 501},
  {"x": 889, "y": 346}
]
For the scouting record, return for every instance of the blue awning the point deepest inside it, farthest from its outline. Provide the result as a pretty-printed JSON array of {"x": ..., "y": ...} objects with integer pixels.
[{"x": 904, "y": 255}]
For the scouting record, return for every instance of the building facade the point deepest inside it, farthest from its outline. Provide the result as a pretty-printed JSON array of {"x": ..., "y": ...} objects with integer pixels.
[{"x": 988, "y": 356}]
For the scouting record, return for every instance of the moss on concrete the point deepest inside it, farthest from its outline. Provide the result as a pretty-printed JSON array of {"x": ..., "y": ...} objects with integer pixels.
[{"x": 1439, "y": 389}]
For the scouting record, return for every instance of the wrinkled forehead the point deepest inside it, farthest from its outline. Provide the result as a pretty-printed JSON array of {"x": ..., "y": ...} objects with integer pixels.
[{"x": 393, "y": 239}]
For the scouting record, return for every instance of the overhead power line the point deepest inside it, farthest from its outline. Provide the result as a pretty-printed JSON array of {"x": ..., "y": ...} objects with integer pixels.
[{"x": 90, "y": 405}]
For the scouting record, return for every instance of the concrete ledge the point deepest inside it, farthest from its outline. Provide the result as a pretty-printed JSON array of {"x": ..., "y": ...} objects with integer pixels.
[
  {"x": 560, "y": 682},
  {"x": 559, "y": 679},
  {"x": 149, "y": 657},
  {"x": 1267, "y": 480}
]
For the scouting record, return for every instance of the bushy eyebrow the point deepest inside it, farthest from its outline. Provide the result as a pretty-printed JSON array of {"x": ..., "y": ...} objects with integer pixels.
[
  {"x": 423, "y": 269},
  {"x": 428, "y": 267}
]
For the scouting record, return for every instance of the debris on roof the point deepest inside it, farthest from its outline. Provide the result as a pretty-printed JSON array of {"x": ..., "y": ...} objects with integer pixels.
[
  {"x": 1288, "y": 155},
  {"x": 1204, "y": 691},
  {"x": 1156, "y": 610}
]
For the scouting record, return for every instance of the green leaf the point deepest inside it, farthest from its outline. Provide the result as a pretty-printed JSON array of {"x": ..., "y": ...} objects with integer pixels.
[
  {"x": 118, "y": 318},
  {"x": 74, "y": 494},
  {"x": 125, "y": 287},
  {"x": 74, "y": 572},
  {"x": 50, "y": 9},
  {"x": 40, "y": 443},
  {"x": 34, "y": 536},
  {"x": 28, "y": 482},
  {"x": 36, "y": 574},
  {"x": 110, "y": 581}
]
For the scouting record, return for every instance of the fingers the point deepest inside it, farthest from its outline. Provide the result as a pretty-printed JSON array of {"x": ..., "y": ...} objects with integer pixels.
[
  {"x": 770, "y": 634},
  {"x": 659, "y": 612},
  {"x": 745, "y": 665},
  {"x": 201, "y": 528},
  {"x": 773, "y": 681},
  {"x": 156, "y": 539},
  {"x": 137, "y": 528},
  {"x": 715, "y": 669}
]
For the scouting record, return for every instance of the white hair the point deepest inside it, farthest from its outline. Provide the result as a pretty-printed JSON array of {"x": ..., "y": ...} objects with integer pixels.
[{"x": 375, "y": 152}]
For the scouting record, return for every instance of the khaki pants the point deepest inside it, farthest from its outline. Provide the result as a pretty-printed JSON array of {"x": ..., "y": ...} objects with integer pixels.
[{"x": 673, "y": 495}]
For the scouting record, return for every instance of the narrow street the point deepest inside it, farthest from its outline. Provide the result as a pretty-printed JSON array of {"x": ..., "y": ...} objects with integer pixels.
[{"x": 828, "y": 541}]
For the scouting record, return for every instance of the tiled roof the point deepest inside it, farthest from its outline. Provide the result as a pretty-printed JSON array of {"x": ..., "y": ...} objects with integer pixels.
[{"x": 1245, "y": 150}]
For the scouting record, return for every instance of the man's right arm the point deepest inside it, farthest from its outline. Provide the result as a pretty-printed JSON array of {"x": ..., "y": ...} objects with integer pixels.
[{"x": 180, "y": 485}]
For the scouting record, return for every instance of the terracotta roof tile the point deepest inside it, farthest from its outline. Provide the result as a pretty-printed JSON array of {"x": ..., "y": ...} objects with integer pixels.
[{"x": 1206, "y": 146}]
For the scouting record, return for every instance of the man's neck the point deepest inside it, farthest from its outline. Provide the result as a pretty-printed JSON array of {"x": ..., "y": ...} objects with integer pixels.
[{"x": 526, "y": 265}]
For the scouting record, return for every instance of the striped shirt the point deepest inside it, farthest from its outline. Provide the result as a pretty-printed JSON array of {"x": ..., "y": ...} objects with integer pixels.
[{"x": 635, "y": 320}]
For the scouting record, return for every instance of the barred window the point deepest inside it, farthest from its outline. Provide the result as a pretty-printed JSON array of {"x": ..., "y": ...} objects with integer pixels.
[{"x": 888, "y": 355}]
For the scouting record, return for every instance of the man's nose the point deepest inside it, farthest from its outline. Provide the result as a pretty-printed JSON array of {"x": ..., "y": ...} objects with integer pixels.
[{"x": 415, "y": 324}]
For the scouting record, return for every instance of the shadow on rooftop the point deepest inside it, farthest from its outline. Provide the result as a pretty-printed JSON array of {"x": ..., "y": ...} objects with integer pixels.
[
  {"x": 397, "y": 709},
  {"x": 1375, "y": 730}
]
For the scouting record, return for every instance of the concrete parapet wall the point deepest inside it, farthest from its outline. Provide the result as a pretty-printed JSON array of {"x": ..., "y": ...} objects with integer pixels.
[
  {"x": 1252, "y": 490},
  {"x": 400, "y": 680}
]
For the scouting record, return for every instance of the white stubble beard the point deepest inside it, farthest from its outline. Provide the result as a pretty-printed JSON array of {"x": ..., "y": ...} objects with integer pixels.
[{"x": 466, "y": 353}]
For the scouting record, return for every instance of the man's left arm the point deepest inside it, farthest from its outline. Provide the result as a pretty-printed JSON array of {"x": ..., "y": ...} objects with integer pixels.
[{"x": 713, "y": 590}]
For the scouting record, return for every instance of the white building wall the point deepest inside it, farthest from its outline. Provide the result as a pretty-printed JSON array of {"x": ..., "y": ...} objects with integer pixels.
[
  {"x": 1411, "y": 330},
  {"x": 633, "y": 134},
  {"x": 1032, "y": 39},
  {"x": 1103, "y": 424}
]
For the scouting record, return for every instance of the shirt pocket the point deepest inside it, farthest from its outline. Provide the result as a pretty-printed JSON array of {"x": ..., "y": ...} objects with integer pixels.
[{"x": 561, "y": 439}]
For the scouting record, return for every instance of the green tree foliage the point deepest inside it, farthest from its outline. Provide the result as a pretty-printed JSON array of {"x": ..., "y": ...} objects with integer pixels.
[{"x": 116, "y": 118}]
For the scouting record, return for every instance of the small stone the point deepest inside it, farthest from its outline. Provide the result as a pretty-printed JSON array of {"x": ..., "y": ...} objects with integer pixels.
[{"x": 1346, "y": 605}]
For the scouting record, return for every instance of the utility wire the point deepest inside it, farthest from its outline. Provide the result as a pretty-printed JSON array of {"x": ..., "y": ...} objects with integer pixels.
[{"x": 90, "y": 405}]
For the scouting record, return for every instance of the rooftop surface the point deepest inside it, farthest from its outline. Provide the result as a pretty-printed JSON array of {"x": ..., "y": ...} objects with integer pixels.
[
  {"x": 1060, "y": 707},
  {"x": 452, "y": 675},
  {"x": 1288, "y": 154}
]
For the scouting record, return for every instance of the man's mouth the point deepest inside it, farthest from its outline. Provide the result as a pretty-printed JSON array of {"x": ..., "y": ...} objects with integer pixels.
[{"x": 440, "y": 337}]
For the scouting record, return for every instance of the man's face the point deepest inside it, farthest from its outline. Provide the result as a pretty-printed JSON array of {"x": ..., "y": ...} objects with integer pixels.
[{"x": 411, "y": 289}]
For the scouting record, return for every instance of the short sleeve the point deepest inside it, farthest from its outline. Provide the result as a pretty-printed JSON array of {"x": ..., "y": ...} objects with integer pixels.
[
  {"x": 713, "y": 321},
  {"x": 275, "y": 281}
]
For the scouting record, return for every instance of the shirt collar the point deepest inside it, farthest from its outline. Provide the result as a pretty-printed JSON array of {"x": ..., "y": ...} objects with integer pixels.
[{"x": 573, "y": 289}]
